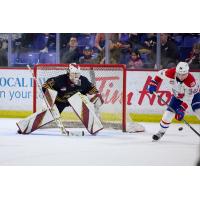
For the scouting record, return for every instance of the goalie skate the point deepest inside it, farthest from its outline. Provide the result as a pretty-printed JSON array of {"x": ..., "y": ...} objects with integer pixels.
[{"x": 158, "y": 136}]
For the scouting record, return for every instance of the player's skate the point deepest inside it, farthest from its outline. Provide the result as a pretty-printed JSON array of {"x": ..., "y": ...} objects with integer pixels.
[{"x": 158, "y": 136}]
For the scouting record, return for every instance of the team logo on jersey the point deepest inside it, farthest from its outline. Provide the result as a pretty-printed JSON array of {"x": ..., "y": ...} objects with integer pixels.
[
  {"x": 63, "y": 89},
  {"x": 180, "y": 95}
]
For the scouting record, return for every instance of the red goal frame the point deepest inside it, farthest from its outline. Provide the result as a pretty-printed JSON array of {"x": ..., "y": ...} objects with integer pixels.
[{"x": 104, "y": 66}]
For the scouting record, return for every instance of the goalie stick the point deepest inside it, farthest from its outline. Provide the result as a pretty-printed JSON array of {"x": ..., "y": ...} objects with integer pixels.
[
  {"x": 172, "y": 110},
  {"x": 57, "y": 120}
]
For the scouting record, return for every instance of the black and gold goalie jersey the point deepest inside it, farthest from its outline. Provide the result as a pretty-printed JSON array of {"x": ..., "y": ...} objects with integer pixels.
[{"x": 66, "y": 88}]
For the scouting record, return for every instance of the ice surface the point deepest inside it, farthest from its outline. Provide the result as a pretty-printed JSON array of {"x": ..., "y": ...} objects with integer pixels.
[{"x": 50, "y": 148}]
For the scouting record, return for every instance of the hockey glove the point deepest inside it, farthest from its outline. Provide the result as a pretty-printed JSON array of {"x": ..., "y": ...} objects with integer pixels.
[
  {"x": 152, "y": 86},
  {"x": 180, "y": 112}
]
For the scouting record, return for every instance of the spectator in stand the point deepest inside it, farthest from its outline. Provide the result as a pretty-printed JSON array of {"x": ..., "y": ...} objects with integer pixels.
[
  {"x": 169, "y": 52},
  {"x": 120, "y": 46},
  {"x": 125, "y": 46},
  {"x": 148, "y": 50},
  {"x": 88, "y": 56},
  {"x": 135, "y": 40},
  {"x": 150, "y": 41},
  {"x": 100, "y": 42},
  {"x": 194, "y": 57},
  {"x": 71, "y": 54},
  {"x": 135, "y": 61},
  {"x": 44, "y": 41},
  {"x": 114, "y": 46},
  {"x": 65, "y": 38},
  {"x": 3, "y": 53}
]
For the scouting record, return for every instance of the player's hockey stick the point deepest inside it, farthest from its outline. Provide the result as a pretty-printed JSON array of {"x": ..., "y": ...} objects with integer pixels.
[
  {"x": 171, "y": 109},
  {"x": 57, "y": 120}
]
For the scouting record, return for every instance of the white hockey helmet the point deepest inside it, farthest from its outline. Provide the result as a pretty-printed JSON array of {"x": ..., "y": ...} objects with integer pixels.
[
  {"x": 74, "y": 68},
  {"x": 74, "y": 73},
  {"x": 182, "y": 68}
]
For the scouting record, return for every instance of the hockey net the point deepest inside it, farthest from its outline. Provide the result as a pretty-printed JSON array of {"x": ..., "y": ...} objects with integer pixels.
[{"x": 110, "y": 80}]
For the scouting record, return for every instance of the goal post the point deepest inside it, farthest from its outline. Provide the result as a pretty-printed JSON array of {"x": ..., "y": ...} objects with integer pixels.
[{"x": 110, "y": 80}]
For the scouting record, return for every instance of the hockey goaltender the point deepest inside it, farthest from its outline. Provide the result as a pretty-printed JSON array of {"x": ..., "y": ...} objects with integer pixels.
[{"x": 69, "y": 89}]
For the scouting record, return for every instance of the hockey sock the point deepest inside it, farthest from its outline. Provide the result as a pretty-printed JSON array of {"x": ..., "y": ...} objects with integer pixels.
[
  {"x": 166, "y": 120},
  {"x": 197, "y": 112}
]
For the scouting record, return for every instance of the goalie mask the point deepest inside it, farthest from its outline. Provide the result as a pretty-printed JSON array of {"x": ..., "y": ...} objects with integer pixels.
[
  {"x": 182, "y": 70},
  {"x": 74, "y": 73}
]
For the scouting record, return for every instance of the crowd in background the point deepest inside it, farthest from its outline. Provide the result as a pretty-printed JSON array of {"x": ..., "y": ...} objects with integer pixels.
[{"x": 136, "y": 50}]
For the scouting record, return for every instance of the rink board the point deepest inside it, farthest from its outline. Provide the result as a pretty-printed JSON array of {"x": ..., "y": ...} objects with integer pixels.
[
  {"x": 16, "y": 95},
  {"x": 134, "y": 116}
]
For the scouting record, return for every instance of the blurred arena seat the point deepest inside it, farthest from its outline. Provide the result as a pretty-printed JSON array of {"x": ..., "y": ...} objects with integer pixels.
[
  {"x": 47, "y": 58},
  {"x": 189, "y": 41}
]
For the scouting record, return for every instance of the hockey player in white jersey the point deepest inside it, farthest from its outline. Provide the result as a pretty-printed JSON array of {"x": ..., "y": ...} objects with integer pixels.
[{"x": 185, "y": 91}]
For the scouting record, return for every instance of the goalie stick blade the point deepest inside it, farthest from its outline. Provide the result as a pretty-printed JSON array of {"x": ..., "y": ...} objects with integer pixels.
[
  {"x": 71, "y": 133},
  {"x": 65, "y": 132}
]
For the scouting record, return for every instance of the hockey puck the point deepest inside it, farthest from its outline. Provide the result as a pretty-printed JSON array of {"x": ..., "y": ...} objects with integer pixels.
[{"x": 180, "y": 128}]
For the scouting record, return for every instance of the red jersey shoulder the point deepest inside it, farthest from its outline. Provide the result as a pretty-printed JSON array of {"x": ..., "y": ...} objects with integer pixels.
[
  {"x": 190, "y": 80},
  {"x": 170, "y": 73}
]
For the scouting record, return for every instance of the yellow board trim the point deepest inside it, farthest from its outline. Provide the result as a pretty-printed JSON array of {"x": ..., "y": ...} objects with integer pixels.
[{"x": 105, "y": 116}]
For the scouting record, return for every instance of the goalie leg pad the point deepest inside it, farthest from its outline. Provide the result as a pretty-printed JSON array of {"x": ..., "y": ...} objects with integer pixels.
[
  {"x": 84, "y": 109},
  {"x": 97, "y": 101},
  {"x": 37, "y": 120},
  {"x": 50, "y": 96}
]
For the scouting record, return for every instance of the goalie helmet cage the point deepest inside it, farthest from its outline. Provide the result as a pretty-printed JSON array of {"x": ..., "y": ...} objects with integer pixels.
[{"x": 110, "y": 80}]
